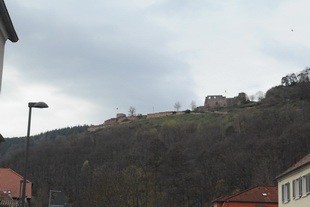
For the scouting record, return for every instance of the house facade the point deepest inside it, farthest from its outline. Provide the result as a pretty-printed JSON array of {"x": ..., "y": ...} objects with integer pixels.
[
  {"x": 7, "y": 31},
  {"x": 6, "y": 200},
  {"x": 258, "y": 196},
  {"x": 11, "y": 184},
  {"x": 294, "y": 185}
]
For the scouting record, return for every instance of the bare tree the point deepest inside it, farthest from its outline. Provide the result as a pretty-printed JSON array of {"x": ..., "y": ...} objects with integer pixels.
[
  {"x": 289, "y": 80},
  {"x": 177, "y": 105},
  {"x": 304, "y": 76},
  {"x": 193, "y": 105},
  {"x": 132, "y": 111},
  {"x": 260, "y": 96},
  {"x": 252, "y": 97}
]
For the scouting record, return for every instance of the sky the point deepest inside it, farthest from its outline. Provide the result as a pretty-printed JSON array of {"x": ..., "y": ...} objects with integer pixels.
[{"x": 89, "y": 60}]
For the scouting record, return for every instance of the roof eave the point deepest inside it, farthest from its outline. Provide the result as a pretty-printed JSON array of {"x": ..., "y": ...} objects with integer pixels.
[
  {"x": 293, "y": 170},
  {"x": 267, "y": 202},
  {"x": 2, "y": 138},
  {"x": 12, "y": 36}
]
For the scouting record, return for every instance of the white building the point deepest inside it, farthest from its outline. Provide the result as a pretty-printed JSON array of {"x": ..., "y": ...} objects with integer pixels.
[
  {"x": 6, "y": 32},
  {"x": 294, "y": 185}
]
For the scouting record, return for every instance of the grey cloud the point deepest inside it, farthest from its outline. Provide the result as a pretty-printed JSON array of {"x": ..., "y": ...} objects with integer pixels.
[
  {"x": 112, "y": 64},
  {"x": 294, "y": 54}
]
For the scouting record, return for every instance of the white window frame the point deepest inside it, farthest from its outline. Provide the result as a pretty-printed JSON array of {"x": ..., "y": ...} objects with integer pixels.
[
  {"x": 304, "y": 186},
  {"x": 308, "y": 183},
  {"x": 297, "y": 188},
  {"x": 301, "y": 186},
  {"x": 286, "y": 192}
]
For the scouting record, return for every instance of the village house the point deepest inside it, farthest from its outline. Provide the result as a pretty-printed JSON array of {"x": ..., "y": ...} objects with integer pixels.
[
  {"x": 294, "y": 184},
  {"x": 11, "y": 184},
  {"x": 6, "y": 200},
  {"x": 258, "y": 196}
]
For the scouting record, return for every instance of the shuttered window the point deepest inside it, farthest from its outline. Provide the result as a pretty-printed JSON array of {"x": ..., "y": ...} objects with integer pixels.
[
  {"x": 304, "y": 186},
  {"x": 301, "y": 186},
  {"x": 285, "y": 192},
  {"x": 308, "y": 183},
  {"x": 297, "y": 184}
]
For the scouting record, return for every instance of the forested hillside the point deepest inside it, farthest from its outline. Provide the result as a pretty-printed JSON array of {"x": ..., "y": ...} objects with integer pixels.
[
  {"x": 11, "y": 145},
  {"x": 178, "y": 161}
]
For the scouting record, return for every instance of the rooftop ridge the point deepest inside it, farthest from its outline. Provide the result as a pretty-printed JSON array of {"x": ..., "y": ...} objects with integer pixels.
[{"x": 302, "y": 162}]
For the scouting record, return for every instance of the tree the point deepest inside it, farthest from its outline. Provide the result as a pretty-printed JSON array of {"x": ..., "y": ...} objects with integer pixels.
[
  {"x": 285, "y": 81},
  {"x": 177, "y": 105},
  {"x": 193, "y": 105},
  {"x": 260, "y": 96},
  {"x": 252, "y": 97},
  {"x": 303, "y": 76},
  {"x": 293, "y": 79},
  {"x": 289, "y": 80},
  {"x": 132, "y": 111}
]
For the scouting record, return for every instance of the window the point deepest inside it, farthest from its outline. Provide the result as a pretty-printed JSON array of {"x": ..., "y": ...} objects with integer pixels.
[
  {"x": 304, "y": 185},
  {"x": 308, "y": 183},
  {"x": 301, "y": 186},
  {"x": 297, "y": 188},
  {"x": 285, "y": 192}
]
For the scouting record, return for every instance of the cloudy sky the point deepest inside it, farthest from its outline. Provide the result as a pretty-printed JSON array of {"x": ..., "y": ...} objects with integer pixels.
[{"x": 85, "y": 59}]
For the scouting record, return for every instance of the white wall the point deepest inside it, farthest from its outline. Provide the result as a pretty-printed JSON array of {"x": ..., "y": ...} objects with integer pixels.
[
  {"x": 3, "y": 38},
  {"x": 300, "y": 202}
]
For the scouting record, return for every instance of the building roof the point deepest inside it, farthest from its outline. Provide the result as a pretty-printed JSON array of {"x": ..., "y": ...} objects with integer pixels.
[
  {"x": 257, "y": 194},
  {"x": 4, "y": 196},
  {"x": 5, "y": 17},
  {"x": 301, "y": 163},
  {"x": 12, "y": 181},
  {"x": 2, "y": 138}
]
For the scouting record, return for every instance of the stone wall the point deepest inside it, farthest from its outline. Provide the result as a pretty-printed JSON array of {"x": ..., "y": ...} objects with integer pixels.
[
  {"x": 120, "y": 115},
  {"x": 215, "y": 101},
  {"x": 161, "y": 114},
  {"x": 218, "y": 101},
  {"x": 122, "y": 118},
  {"x": 110, "y": 121},
  {"x": 237, "y": 100}
]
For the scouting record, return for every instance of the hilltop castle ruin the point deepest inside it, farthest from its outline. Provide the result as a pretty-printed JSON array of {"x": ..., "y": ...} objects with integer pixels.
[{"x": 214, "y": 102}]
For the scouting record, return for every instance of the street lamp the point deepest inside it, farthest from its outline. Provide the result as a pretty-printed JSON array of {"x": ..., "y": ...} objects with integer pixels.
[{"x": 31, "y": 105}]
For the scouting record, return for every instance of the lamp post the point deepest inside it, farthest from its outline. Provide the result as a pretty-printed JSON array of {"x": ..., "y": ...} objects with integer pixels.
[{"x": 30, "y": 105}]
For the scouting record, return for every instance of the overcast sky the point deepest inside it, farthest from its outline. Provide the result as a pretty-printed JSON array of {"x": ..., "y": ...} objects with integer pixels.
[{"x": 85, "y": 59}]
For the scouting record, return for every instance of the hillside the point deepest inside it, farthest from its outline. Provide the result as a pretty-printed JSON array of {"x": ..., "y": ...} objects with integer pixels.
[
  {"x": 181, "y": 160},
  {"x": 11, "y": 145}
]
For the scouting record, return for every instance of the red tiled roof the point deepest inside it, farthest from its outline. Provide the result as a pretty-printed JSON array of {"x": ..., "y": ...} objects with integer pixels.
[
  {"x": 11, "y": 181},
  {"x": 258, "y": 194},
  {"x": 304, "y": 161}
]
